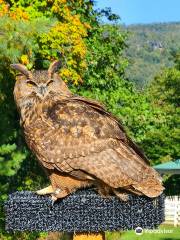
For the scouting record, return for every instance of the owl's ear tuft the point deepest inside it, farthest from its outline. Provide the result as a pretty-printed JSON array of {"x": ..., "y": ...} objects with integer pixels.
[
  {"x": 21, "y": 68},
  {"x": 54, "y": 66}
]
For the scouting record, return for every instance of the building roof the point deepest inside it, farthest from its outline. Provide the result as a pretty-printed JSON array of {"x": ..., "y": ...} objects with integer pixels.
[{"x": 169, "y": 167}]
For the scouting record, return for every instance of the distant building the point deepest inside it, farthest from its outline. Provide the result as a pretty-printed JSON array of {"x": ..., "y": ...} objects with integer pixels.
[
  {"x": 172, "y": 167},
  {"x": 155, "y": 45},
  {"x": 172, "y": 203}
]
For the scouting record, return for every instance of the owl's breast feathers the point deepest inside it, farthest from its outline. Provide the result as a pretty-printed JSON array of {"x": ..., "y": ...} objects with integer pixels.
[{"x": 77, "y": 134}]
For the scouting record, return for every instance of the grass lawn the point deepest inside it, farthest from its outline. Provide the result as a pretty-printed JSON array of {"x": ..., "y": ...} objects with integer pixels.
[{"x": 166, "y": 232}]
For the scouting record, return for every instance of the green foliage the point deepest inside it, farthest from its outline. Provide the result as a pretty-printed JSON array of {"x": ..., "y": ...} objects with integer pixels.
[
  {"x": 105, "y": 61},
  {"x": 163, "y": 93},
  {"x": 166, "y": 87},
  {"x": 172, "y": 185},
  {"x": 104, "y": 78},
  {"x": 10, "y": 159},
  {"x": 17, "y": 37}
]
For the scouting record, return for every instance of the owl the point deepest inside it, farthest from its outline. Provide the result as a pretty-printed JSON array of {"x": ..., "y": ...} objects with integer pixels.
[{"x": 77, "y": 142}]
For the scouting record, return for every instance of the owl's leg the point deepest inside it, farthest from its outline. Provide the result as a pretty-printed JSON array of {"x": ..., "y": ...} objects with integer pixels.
[
  {"x": 46, "y": 190},
  {"x": 65, "y": 184},
  {"x": 103, "y": 189},
  {"x": 120, "y": 194}
]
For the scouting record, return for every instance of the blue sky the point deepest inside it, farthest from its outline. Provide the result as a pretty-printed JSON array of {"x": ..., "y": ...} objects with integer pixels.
[{"x": 143, "y": 11}]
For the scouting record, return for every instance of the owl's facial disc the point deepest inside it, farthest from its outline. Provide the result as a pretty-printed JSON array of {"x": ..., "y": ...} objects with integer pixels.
[{"x": 38, "y": 84}]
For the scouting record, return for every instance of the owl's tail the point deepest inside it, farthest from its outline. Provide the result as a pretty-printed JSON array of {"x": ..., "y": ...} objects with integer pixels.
[{"x": 151, "y": 187}]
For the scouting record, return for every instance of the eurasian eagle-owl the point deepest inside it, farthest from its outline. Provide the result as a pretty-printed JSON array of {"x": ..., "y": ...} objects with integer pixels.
[{"x": 77, "y": 141}]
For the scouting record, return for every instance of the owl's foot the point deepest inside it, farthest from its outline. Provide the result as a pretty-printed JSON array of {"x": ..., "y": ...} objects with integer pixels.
[
  {"x": 58, "y": 193},
  {"x": 46, "y": 190},
  {"x": 122, "y": 195}
]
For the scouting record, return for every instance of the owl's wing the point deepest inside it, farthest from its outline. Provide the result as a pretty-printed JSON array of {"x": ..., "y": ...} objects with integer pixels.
[
  {"x": 87, "y": 138},
  {"x": 101, "y": 108}
]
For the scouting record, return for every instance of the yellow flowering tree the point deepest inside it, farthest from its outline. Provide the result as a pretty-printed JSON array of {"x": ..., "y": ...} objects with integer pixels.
[{"x": 66, "y": 35}]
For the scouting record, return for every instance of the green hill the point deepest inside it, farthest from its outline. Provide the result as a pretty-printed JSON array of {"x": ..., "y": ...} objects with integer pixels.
[{"x": 150, "y": 48}]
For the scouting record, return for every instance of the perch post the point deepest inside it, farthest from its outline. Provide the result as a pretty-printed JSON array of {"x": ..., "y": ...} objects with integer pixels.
[
  {"x": 91, "y": 236},
  {"x": 84, "y": 213}
]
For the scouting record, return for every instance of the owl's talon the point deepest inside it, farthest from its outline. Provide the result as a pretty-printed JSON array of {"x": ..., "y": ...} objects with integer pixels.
[
  {"x": 53, "y": 198},
  {"x": 57, "y": 191},
  {"x": 54, "y": 195},
  {"x": 46, "y": 190}
]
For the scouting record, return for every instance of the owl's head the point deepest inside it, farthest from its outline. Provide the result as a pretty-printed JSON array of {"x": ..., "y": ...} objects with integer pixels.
[{"x": 37, "y": 85}]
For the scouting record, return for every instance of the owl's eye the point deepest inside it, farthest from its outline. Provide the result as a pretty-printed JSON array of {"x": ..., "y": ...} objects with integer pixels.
[
  {"x": 31, "y": 83},
  {"x": 49, "y": 82}
]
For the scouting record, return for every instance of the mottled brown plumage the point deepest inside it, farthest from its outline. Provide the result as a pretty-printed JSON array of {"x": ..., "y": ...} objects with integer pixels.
[{"x": 77, "y": 141}]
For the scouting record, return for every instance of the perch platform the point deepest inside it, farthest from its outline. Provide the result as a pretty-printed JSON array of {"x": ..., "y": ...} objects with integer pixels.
[{"x": 82, "y": 212}]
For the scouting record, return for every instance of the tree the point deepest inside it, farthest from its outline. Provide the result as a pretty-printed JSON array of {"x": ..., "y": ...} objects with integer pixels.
[{"x": 164, "y": 96}]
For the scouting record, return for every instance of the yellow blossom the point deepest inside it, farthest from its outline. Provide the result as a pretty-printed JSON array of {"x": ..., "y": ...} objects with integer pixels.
[{"x": 24, "y": 59}]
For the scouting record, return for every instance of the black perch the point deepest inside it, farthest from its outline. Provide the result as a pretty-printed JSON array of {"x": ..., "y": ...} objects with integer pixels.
[{"x": 83, "y": 211}]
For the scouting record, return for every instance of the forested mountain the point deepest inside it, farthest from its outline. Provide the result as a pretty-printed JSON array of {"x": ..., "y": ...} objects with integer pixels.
[{"x": 150, "y": 48}]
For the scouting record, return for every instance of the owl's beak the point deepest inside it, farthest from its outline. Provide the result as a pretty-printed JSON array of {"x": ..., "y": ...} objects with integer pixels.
[{"x": 42, "y": 90}]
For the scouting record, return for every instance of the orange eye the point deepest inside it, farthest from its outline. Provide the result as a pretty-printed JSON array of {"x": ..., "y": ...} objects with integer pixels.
[{"x": 31, "y": 83}]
